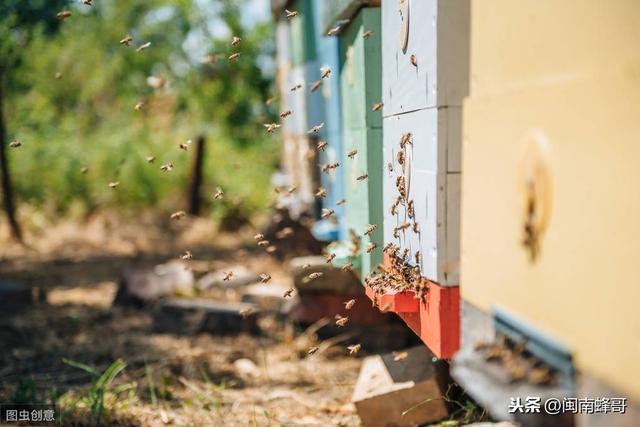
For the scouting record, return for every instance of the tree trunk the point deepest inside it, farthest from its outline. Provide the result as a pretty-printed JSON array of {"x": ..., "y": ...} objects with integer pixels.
[
  {"x": 7, "y": 189},
  {"x": 196, "y": 177}
]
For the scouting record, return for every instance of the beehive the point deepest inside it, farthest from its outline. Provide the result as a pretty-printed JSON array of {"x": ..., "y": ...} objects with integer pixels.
[{"x": 550, "y": 227}]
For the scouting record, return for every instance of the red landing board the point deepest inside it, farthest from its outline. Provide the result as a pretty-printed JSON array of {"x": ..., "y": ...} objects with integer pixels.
[{"x": 435, "y": 319}]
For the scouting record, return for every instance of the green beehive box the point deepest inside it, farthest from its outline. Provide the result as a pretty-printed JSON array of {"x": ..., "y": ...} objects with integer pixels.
[{"x": 361, "y": 88}]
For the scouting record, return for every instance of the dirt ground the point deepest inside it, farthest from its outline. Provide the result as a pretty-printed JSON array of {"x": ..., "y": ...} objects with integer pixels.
[{"x": 200, "y": 380}]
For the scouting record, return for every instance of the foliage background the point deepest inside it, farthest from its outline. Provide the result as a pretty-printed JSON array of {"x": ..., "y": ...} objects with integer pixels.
[{"x": 86, "y": 117}]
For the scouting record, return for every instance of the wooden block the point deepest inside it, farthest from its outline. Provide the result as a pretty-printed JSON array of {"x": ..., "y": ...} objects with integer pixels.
[
  {"x": 333, "y": 280},
  {"x": 386, "y": 389},
  {"x": 196, "y": 315}
]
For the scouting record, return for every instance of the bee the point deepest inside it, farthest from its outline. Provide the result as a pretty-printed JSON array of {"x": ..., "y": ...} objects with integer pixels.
[
  {"x": 315, "y": 275},
  {"x": 271, "y": 127},
  {"x": 114, "y": 184},
  {"x": 354, "y": 349},
  {"x": 316, "y": 85},
  {"x": 371, "y": 247},
  {"x": 326, "y": 213},
  {"x": 416, "y": 228},
  {"x": 341, "y": 321},
  {"x": 370, "y": 229},
  {"x": 139, "y": 105},
  {"x": 377, "y": 107},
  {"x": 186, "y": 256},
  {"x": 185, "y": 145},
  {"x": 406, "y": 138},
  {"x": 329, "y": 166},
  {"x": 219, "y": 194},
  {"x": 151, "y": 159},
  {"x": 296, "y": 87},
  {"x": 271, "y": 249},
  {"x": 417, "y": 257},
  {"x": 411, "y": 212},
  {"x": 88, "y": 2},
  {"x": 322, "y": 192},
  {"x": 390, "y": 167},
  {"x": 263, "y": 243},
  {"x": 259, "y": 236},
  {"x": 264, "y": 277},
  {"x": 63, "y": 15},
  {"x": 143, "y": 47},
  {"x": 270, "y": 100},
  {"x": 367, "y": 34},
  {"x": 235, "y": 41},
  {"x": 341, "y": 202},
  {"x": 284, "y": 233},
  {"x": 178, "y": 215},
  {"x": 288, "y": 293},
  {"x": 15, "y": 144},
  {"x": 234, "y": 56},
  {"x": 313, "y": 350},
  {"x": 325, "y": 72},
  {"x": 316, "y": 128},
  {"x": 414, "y": 60},
  {"x": 352, "y": 154},
  {"x": 167, "y": 167},
  {"x": 399, "y": 356},
  {"x": 127, "y": 40},
  {"x": 227, "y": 275},
  {"x": 322, "y": 145},
  {"x": 84, "y": 170},
  {"x": 292, "y": 190},
  {"x": 388, "y": 247},
  {"x": 58, "y": 75},
  {"x": 245, "y": 312},
  {"x": 347, "y": 267},
  {"x": 329, "y": 258},
  {"x": 306, "y": 266},
  {"x": 333, "y": 31},
  {"x": 285, "y": 114},
  {"x": 362, "y": 177},
  {"x": 291, "y": 13},
  {"x": 400, "y": 157},
  {"x": 348, "y": 305}
]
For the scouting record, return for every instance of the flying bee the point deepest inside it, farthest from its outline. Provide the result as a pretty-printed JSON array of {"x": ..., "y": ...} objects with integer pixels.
[
  {"x": 139, "y": 105},
  {"x": 322, "y": 145},
  {"x": 341, "y": 320},
  {"x": 227, "y": 275},
  {"x": 377, "y": 107},
  {"x": 348, "y": 305},
  {"x": 176, "y": 216},
  {"x": 245, "y": 312},
  {"x": 315, "y": 86},
  {"x": 185, "y": 145},
  {"x": 329, "y": 166},
  {"x": 326, "y": 213},
  {"x": 313, "y": 350},
  {"x": 285, "y": 114},
  {"x": 291, "y": 13},
  {"x": 219, "y": 194},
  {"x": 264, "y": 277},
  {"x": 259, "y": 236},
  {"x": 270, "y": 100},
  {"x": 414, "y": 60},
  {"x": 284, "y": 233},
  {"x": 390, "y": 167},
  {"x": 354, "y": 349},
  {"x": 315, "y": 275},
  {"x": 406, "y": 138},
  {"x": 58, "y": 75},
  {"x": 322, "y": 192},
  {"x": 367, "y": 34},
  {"x": 371, "y": 247},
  {"x": 167, "y": 167},
  {"x": 235, "y": 41},
  {"x": 329, "y": 258},
  {"x": 399, "y": 356},
  {"x": 288, "y": 293},
  {"x": 15, "y": 144},
  {"x": 271, "y": 127},
  {"x": 186, "y": 256},
  {"x": 316, "y": 128},
  {"x": 127, "y": 40},
  {"x": 88, "y": 2},
  {"x": 63, "y": 15},
  {"x": 292, "y": 190},
  {"x": 325, "y": 72},
  {"x": 296, "y": 87},
  {"x": 352, "y": 154},
  {"x": 370, "y": 229},
  {"x": 333, "y": 31},
  {"x": 347, "y": 267},
  {"x": 114, "y": 184},
  {"x": 143, "y": 47},
  {"x": 263, "y": 243},
  {"x": 362, "y": 177},
  {"x": 341, "y": 202},
  {"x": 151, "y": 159},
  {"x": 84, "y": 170},
  {"x": 234, "y": 56}
]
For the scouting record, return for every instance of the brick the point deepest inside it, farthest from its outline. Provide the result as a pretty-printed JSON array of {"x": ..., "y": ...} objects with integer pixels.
[
  {"x": 333, "y": 280},
  {"x": 196, "y": 315},
  {"x": 387, "y": 388}
]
